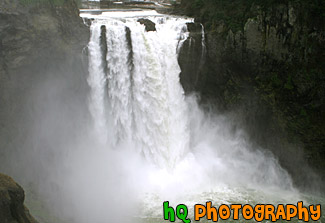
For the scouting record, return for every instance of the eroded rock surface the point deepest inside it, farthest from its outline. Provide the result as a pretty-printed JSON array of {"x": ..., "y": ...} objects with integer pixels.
[{"x": 12, "y": 208}]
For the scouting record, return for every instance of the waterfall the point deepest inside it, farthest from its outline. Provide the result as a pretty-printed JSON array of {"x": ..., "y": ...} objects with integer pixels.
[
  {"x": 138, "y": 95},
  {"x": 97, "y": 82},
  {"x": 136, "y": 101},
  {"x": 147, "y": 141}
]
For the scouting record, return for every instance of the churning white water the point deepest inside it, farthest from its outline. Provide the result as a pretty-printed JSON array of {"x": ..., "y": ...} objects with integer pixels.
[
  {"x": 139, "y": 98},
  {"x": 137, "y": 102}
]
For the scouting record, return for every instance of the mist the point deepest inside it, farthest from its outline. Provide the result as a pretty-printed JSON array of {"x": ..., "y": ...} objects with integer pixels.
[
  {"x": 83, "y": 180},
  {"x": 104, "y": 147}
]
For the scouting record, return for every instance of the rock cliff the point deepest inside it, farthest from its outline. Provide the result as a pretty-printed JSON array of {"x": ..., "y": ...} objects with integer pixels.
[
  {"x": 42, "y": 83},
  {"x": 265, "y": 61},
  {"x": 41, "y": 45}
]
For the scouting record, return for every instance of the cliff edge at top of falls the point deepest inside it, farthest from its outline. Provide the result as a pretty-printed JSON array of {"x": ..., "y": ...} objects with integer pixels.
[
  {"x": 12, "y": 198},
  {"x": 265, "y": 63}
]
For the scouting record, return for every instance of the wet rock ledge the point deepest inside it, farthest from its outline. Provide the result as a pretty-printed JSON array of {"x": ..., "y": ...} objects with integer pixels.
[
  {"x": 150, "y": 25},
  {"x": 12, "y": 208}
]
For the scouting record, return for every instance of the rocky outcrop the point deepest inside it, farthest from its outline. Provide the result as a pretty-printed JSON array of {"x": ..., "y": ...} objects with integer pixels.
[
  {"x": 12, "y": 208},
  {"x": 150, "y": 25},
  {"x": 191, "y": 57},
  {"x": 264, "y": 63}
]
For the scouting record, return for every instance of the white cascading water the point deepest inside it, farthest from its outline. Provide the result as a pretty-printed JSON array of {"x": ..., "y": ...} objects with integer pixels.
[
  {"x": 97, "y": 83},
  {"x": 145, "y": 101},
  {"x": 137, "y": 101}
]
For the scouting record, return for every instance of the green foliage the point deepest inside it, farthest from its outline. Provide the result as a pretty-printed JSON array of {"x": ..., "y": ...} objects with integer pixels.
[
  {"x": 198, "y": 4},
  {"x": 289, "y": 85}
]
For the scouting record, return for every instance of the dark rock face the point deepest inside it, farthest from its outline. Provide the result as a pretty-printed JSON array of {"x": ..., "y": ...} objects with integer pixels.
[
  {"x": 266, "y": 66},
  {"x": 191, "y": 58},
  {"x": 12, "y": 209},
  {"x": 150, "y": 25},
  {"x": 103, "y": 46}
]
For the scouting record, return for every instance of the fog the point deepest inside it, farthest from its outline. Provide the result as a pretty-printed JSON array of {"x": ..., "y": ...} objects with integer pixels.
[{"x": 82, "y": 180}]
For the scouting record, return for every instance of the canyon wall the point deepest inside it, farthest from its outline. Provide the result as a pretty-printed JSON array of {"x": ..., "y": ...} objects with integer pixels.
[
  {"x": 265, "y": 63},
  {"x": 41, "y": 66}
]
